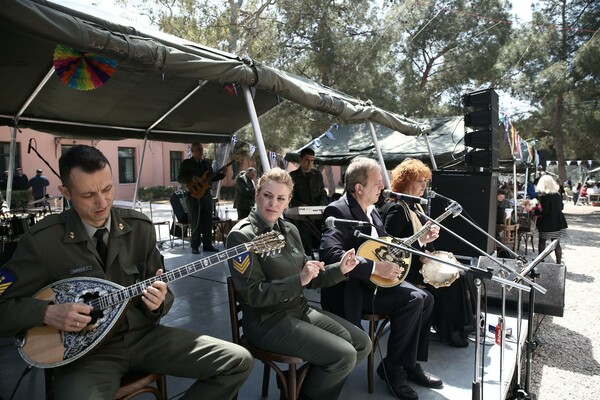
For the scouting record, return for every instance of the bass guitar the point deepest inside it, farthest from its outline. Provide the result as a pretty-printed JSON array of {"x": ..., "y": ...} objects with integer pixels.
[
  {"x": 48, "y": 347},
  {"x": 375, "y": 251},
  {"x": 197, "y": 189}
]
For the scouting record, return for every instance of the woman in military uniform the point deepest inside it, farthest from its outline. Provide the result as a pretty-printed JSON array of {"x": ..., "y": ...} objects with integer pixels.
[{"x": 277, "y": 316}]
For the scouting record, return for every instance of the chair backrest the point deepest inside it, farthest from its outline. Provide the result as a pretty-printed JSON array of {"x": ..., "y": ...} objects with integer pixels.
[
  {"x": 235, "y": 312},
  {"x": 177, "y": 201},
  {"x": 508, "y": 234}
]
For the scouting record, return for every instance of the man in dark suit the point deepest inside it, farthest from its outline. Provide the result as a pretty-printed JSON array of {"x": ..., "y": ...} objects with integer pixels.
[{"x": 409, "y": 308}]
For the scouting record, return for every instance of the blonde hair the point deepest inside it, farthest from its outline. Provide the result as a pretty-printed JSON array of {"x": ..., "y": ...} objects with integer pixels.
[
  {"x": 547, "y": 185},
  {"x": 409, "y": 170},
  {"x": 276, "y": 175}
]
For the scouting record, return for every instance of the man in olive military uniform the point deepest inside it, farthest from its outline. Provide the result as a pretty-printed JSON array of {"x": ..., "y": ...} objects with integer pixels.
[
  {"x": 200, "y": 210},
  {"x": 93, "y": 239}
]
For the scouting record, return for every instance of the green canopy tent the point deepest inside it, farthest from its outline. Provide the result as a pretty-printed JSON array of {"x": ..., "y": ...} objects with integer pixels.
[
  {"x": 341, "y": 143},
  {"x": 163, "y": 88}
]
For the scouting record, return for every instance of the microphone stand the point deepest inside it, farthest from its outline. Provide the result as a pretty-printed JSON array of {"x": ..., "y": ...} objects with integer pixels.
[{"x": 478, "y": 274}]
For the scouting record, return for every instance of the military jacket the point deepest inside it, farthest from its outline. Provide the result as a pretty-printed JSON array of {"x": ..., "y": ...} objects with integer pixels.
[
  {"x": 309, "y": 189},
  {"x": 269, "y": 285},
  {"x": 58, "y": 247}
]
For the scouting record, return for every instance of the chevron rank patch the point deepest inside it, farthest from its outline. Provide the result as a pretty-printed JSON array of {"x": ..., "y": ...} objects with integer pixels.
[
  {"x": 6, "y": 279},
  {"x": 242, "y": 262}
]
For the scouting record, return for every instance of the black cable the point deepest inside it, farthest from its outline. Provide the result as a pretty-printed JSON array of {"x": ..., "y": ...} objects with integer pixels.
[{"x": 25, "y": 372}]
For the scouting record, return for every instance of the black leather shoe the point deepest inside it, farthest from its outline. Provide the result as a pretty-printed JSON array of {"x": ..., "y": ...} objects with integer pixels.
[
  {"x": 459, "y": 339},
  {"x": 396, "y": 381},
  {"x": 419, "y": 376},
  {"x": 209, "y": 248},
  {"x": 195, "y": 250}
]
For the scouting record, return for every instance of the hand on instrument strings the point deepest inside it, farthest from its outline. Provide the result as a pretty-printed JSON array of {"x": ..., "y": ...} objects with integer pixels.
[
  {"x": 349, "y": 261},
  {"x": 310, "y": 271},
  {"x": 68, "y": 317},
  {"x": 154, "y": 295},
  {"x": 388, "y": 269},
  {"x": 432, "y": 234},
  {"x": 196, "y": 179}
]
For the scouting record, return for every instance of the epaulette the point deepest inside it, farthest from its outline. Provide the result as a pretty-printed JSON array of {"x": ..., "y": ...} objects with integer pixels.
[
  {"x": 240, "y": 224},
  {"x": 130, "y": 213},
  {"x": 48, "y": 221}
]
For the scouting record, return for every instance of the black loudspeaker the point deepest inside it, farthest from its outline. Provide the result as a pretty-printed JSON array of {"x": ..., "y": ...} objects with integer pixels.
[
  {"x": 551, "y": 277},
  {"x": 476, "y": 192}
]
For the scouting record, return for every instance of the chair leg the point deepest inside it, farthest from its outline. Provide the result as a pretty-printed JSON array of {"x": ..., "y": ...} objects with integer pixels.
[
  {"x": 265, "y": 385},
  {"x": 371, "y": 358},
  {"x": 291, "y": 383}
]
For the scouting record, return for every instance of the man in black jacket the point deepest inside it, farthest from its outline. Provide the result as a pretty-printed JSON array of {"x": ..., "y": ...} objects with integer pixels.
[{"x": 197, "y": 174}]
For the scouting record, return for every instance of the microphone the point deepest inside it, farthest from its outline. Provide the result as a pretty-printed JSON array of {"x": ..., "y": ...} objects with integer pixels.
[
  {"x": 29, "y": 147},
  {"x": 332, "y": 222},
  {"x": 401, "y": 196}
]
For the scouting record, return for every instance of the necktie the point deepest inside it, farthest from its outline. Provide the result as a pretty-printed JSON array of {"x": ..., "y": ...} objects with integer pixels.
[{"x": 101, "y": 247}]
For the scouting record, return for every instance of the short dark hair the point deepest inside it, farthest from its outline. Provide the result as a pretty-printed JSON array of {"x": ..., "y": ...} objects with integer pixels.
[
  {"x": 88, "y": 158},
  {"x": 305, "y": 151}
]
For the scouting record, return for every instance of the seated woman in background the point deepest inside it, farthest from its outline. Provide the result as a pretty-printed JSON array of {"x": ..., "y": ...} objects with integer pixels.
[
  {"x": 277, "y": 316},
  {"x": 453, "y": 314}
]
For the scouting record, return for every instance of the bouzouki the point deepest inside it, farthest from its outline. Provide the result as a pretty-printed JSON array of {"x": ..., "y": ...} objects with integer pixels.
[
  {"x": 48, "y": 347},
  {"x": 376, "y": 251},
  {"x": 197, "y": 189}
]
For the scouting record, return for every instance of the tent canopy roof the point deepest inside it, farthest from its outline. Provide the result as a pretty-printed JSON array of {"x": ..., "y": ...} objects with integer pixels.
[
  {"x": 154, "y": 73},
  {"x": 445, "y": 139}
]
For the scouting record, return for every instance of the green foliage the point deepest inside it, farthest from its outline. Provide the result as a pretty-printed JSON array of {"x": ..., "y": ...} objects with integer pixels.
[
  {"x": 19, "y": 198},
  {"x": 412, "y": 58},
  {"x": 155, "y": 193}
]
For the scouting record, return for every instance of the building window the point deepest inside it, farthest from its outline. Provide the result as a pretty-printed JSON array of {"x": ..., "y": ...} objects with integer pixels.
[
  {"x": 175, "y": 158},
  {"x": 126, "y": 165},
  {"x": 5, "y": 156}
]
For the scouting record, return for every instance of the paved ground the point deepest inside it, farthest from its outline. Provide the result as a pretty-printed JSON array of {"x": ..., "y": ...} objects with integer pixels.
[{"x": 566, "y": 365}]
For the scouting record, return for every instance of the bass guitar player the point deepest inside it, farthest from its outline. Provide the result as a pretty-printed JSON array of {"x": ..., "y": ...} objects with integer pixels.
[{"x": 197, "y": 173}]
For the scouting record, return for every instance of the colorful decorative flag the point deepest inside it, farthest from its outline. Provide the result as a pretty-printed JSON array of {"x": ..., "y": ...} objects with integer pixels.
[
  {"x": 231, "y": 88},
  {"x": 506, "y": 122},
  {"x": 251, "y": 149},
  {"x": 82, "y": 70},
  {"x": 233, "y": 140},
  {"x": 273, "y": 158},
  {"x": 189, "y": 151},
  {"x": 579, "y": 162},
  {"x": 317, "y": 142}
]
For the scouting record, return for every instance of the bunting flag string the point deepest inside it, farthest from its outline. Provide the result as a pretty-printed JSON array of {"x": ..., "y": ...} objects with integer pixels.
[{"x": 506, "y": 122}]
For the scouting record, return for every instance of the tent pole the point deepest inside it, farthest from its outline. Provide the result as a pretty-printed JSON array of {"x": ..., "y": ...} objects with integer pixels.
[
  {"x": 384, "y": 173},
  {"x": 139, "y": 176},
  {"x": 431, "y": 156},
  {"x": 11, "y": 164},
  {"x": 13, "y": 138},
  {"x": 260, "y": 144}
]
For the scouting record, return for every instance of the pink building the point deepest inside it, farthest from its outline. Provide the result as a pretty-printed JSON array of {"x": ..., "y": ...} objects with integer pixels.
[{"x": 161, "y": 160}]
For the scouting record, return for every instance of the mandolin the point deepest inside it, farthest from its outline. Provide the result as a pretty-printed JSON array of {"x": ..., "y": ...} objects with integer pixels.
[
  {"x": 375, "y": 251},
  {"x": 48, "y": 347},
  {"x": 197, "y": 189}
]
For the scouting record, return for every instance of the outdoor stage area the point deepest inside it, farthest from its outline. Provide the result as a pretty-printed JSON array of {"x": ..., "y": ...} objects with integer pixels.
[{"x": 201, "y": 305}]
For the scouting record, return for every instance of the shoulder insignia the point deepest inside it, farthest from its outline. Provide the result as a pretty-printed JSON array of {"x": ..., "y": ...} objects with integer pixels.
[
  {"x": 242, "y": 262},
  {"x": 6, "y": 279},
  {"x": 130, "y": 213}
]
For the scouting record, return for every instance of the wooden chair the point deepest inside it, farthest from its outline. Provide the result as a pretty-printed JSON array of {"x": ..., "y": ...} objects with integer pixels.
[
  {"x": 508, "y": 235},
  {"x": 377, "y": 325},
  {"x": 526, "y": 231},
  {"x": 131, "y": 385},
  {"x": 290, "y": 380}
]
